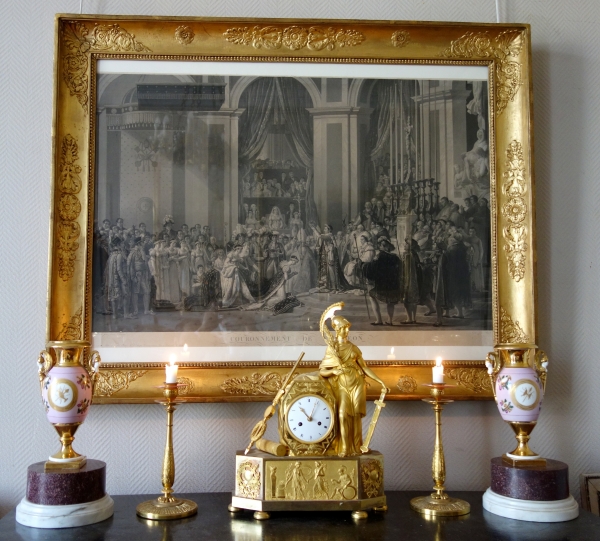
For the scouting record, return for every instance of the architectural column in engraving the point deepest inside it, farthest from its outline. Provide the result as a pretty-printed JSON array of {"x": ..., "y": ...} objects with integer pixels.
[
  {"x": 336, "y": 147},
  {"x": 212, "y": 177},
  {"x": 447, "y": 103}
]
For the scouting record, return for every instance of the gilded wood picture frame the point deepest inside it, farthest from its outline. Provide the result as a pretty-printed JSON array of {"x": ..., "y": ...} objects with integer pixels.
[{"x": 84, "y": 126}]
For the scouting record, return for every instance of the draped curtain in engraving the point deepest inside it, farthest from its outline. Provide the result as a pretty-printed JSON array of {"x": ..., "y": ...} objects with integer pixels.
[
  {"x": 391, "y": 100},
  {"x": 287, "y": 99},
  {"x": 256, "y": 120}
]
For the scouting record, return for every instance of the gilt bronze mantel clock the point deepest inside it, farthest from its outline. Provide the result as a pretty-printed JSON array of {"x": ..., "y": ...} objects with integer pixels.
[{"x": 321, "y": 461}]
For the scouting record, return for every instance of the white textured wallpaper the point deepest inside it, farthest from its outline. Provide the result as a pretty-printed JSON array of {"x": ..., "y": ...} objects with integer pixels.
[{"x": 566, "y": 41}]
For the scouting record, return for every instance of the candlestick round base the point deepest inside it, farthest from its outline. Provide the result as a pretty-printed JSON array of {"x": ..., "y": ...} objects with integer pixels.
[
  {"x": 156, "y": 510},
  {"x": 440, "y": 507}
]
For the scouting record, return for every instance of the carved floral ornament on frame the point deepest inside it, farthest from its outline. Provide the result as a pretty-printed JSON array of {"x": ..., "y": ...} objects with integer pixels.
[{"x": 225, "y": 201}]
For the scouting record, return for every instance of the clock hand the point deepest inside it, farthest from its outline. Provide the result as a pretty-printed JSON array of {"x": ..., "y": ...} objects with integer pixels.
[
  {"x": 313, "y": 411},
  {"x": 302, "y": 410}
]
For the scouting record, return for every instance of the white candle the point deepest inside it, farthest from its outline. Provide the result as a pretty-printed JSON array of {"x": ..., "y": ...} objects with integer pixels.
[
  {"x": 185, "y": 355},
  {"x": 171, "y": 369},
  {"x": 391, "y": 356},
  {"x": 438, "y": 371}
]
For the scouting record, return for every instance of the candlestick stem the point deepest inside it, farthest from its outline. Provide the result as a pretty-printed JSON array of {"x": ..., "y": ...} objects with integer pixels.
[
  {"x": 167, "y": 507},
  {"x": 438, "y": 464},
  {"x": 439, "y": 503},
  {"x": 168, "y": 473}
]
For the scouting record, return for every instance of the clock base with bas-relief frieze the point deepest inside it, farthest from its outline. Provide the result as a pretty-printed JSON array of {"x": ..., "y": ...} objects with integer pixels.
[{"x": 266, "y": 483}]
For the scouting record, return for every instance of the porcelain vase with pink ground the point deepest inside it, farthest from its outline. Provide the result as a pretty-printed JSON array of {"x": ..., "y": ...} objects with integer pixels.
[
  {"x": 518, "y": 376},
  {"x": 67, "y": 388}
]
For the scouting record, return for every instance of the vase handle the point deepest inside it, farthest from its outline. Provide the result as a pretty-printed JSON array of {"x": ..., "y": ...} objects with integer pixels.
[
  {"x": 494, "y": 365},
  {"x": 93, "y": 367},
  {"x": 45, "y": 363},
  {"x": 541, "y": 367}
]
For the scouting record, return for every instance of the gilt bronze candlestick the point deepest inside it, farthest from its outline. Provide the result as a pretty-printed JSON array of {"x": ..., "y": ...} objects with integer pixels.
[
  {"x": 167, "y": 507},
  {"x": 439, "y": 504}
]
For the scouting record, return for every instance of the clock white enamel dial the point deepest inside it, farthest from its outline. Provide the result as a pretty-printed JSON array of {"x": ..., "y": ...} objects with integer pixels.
[
  {"x": 525, "y": 394},
  {"x": 309, "y": 419}
]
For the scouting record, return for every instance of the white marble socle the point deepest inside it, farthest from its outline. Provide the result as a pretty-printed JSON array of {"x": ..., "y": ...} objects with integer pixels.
[
  {"x": 80, "y": 458},
  {"x": 530, "y": 510},
  {"x": 517, "y": 457},
  {"x": 64, "y": 516}
]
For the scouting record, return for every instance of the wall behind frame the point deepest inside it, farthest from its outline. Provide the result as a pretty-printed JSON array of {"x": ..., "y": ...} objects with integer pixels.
[{"x": 131, "y": 438}]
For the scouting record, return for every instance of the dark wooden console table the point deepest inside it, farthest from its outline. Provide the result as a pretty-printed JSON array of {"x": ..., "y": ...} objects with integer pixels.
[{"x": 214, "y": 522}]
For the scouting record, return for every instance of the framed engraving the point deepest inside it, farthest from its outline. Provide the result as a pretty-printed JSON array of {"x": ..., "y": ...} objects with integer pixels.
[{"x": 217, "y": 183}]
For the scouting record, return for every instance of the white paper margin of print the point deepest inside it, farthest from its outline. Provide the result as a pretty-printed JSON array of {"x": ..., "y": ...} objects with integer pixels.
[
  {"x": 285, "y": 69},
  {"x": 285, "y": 353},
  {"x": 293, "y": 69}
]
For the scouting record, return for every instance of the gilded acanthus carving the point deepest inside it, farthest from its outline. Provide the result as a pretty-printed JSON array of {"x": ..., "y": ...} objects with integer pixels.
[
  {"x": 184, "y": 34},
  {"x": 504, "y": 50},
  {"x": 474, "y": 379},
  {"x": 515, "y": 211},
  {"x": 248, "y": 480},
  {"x": 294, "y": 37},
  {"x": 407, "y": 384},
  {"x": 79, "y": 42},
  {"x": 110, "y": 382},
  {"x": 188, "y": 386},
  {"x": 69, "y": 180},
  {"x": 372, "y": 477},
  {"x": 69, "y": 207},
  {"x": 510, "y": 331},
  {"x": 67, "y": 235},
  {"x": 257, "y": 384},
  {"x": 400, "y": 38},
  {"x": 72, "y": 329}
]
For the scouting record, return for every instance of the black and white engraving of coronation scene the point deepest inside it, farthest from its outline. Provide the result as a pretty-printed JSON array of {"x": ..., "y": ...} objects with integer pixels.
[{"x": 251, "y": 203}]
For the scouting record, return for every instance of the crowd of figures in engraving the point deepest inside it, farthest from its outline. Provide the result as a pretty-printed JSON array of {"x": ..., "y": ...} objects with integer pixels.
[{"x": 271, "y": 262}]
